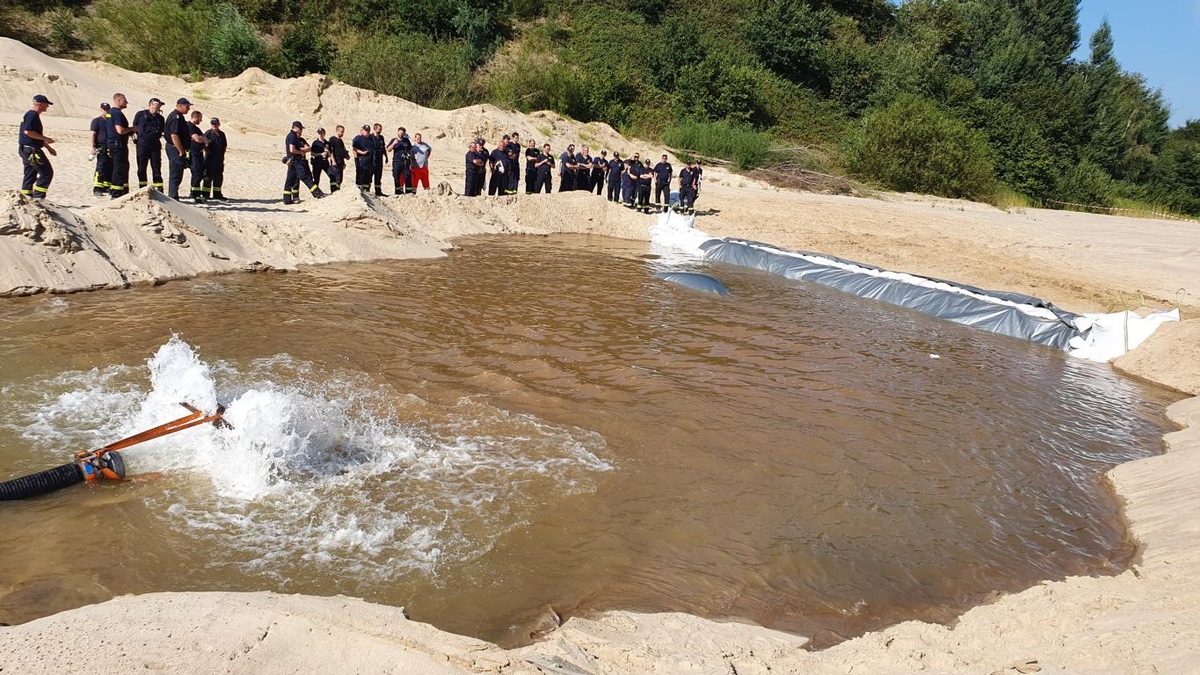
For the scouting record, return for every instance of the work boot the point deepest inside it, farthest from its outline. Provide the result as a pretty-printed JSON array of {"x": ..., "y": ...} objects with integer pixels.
[
  {"x": 317, "y": 194},
  {"x": 287, "y": 201}
]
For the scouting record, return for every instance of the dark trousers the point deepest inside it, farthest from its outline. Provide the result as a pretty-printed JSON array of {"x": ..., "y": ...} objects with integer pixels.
[
  {"x": 297, "y": 173},
  {"x": 662, "y": 193},
  {"x": 583, "y": 180},
  {"x": 150, "y": 153},
  {"x": 320, "y": 167},
  {"x": 627, "y": 193},
  {"x": 214, "y": 176},
  {"x": 175, "y": 166},
  {"x": 614, "y": 191},
  {"x": 401, "y": 177},
  {"x": 336, "y": 171},
  {"x": 543, "y": 181},
  {"x": 686, "y": 198},
  {"x": 531, "y": 180},
  {"x": 644, "y": 192},
  {"x": 377, "y": 174},
  {"x": 196, "y": 166},
  {"x": 514, "y": 178},
  {"x": 38, "y": 172},
  {"x": 363, "y": 168},
  {"x": 102, "y": 179},
  {"x": 597, "y": 182},
  {"x": 498, "y": 185},
  {"x": 566, "y": 181},
  {"x": 119, "y": 183}
]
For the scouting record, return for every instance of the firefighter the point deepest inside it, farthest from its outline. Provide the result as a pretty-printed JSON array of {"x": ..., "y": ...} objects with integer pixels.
[
  {"x": 178, "y": 140},
  {"x": 498, "y": 161},
  {"x": 378, "y": 157},
  {"x": 401, "y": 149},
  {"x": 196, "y": 152},
  {"x": 566, "y": 169},
  {"x": 615, "y": 170},
  {"x": 320, "y": 159},
  {"x": 297, "y": 167},
  {"x": 101, "y": 179},
  {"x": 337, "y": 158},
  {"x": 34, "y": 146},
  {"x": 363, "y": 146},
  {"x": 119, "y": 130},
  {"x": 662, "y": 183},
  {"x": 149, "y": 125},
  {"x": 514, "y": 163},
  {"x": 214, "y": 160}
]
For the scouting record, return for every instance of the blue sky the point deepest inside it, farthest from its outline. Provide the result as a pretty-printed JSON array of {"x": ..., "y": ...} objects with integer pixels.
[{"x": 1159, "y": 39}]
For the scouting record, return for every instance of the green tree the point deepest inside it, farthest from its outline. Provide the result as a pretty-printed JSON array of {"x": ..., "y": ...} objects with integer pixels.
[
  {"x": 787, "y": 36},
  {"x": 233, "y": 44},
  {"x": 913, "y": 145}
]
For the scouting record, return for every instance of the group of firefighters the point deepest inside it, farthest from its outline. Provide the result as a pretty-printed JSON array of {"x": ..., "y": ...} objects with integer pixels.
[
  {"x": 628, "y": 181},
  {"x": 202, "y": 153},
  {"x": 306, "y": 162}
]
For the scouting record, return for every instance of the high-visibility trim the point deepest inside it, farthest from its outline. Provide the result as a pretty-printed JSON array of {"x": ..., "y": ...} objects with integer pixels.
[
  {"x": 26, "y": 192},
  {"x": 39, "y": 188}
]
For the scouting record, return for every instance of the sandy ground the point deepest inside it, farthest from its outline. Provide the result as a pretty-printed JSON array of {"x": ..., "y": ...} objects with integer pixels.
[{"x": 1145, "y": 620}]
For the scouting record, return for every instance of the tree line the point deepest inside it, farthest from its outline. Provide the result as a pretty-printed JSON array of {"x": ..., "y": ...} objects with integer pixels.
[{"x": 981, "y": 99}]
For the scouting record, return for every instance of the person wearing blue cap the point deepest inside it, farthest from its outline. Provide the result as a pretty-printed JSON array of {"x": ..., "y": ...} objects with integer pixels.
[
  {"x": 662, "y": 183},
  {"x": 214, "y": 160},
  {"x": 297, "y": 167},
  {"x": 33, "y": 147},
  {"x": 178, "y": 139},
  {"x": 101, "y": 178}
]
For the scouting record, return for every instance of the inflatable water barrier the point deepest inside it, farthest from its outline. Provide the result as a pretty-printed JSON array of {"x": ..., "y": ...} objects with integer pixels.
[{"x": 1098, "y": 337}]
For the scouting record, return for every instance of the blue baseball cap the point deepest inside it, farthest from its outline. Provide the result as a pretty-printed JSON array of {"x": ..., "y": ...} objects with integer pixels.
[{"x": 42, "y": 99}]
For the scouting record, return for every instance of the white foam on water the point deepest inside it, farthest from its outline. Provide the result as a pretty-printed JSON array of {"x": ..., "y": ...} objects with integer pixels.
[
  {"x": 319, "y": 472},
  {"x": 674, "y": 234}
]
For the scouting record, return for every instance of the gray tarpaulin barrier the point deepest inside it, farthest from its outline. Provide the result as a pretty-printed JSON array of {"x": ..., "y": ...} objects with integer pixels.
[
  {"x": 695, "y": 280},
  {"x": 1001, "y": 312}
]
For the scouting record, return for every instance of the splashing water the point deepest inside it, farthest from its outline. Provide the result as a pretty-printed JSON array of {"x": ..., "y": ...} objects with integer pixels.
[{"x": 319, "y": 470}]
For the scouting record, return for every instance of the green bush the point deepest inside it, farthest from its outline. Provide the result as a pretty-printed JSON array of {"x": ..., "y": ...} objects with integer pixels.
[
  {"x": 912, "y": 145},
  {"x": 304, "y": 48},
  {"x": 430, "y": 73},
  {"x": 788, "y": 37},
  {"x": 233, "y": 44},
  {"x": 151, "y": 36},
  {"x": 743, "y": 146},
  {"x": 1086, "y": 184}
]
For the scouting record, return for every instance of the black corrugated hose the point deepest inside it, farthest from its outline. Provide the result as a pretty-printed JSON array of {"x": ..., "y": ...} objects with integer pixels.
[{"x": 42, "y": 482}]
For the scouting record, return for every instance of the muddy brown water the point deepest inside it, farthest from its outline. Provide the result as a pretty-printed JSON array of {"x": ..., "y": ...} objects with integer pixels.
[{"x": 538, "y": 422}]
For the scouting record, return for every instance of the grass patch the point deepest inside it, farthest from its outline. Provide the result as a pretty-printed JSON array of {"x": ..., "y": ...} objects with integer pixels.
[
  {"x": 740, "y": 145},
  {"x": 1005, "y": 199}
]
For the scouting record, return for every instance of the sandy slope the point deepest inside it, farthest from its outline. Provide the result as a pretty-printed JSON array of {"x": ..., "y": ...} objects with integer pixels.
[{"x": 1145, "y": 620}]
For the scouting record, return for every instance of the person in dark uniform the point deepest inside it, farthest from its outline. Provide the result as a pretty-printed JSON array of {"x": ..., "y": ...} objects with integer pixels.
[
  {"x": 297, "y": 163},
  {"x": 514, "y": 163},
  {"x": 697, "y": 177},
  {"x": 119, "y": 131},
  {"x": 685, "y": 188},
  {"x": 401, "y": 149},
  {"x": 545, "y": 169},
  {"x": 663, "y": 172},
  {"x": 214, "y": 160},
  {"x": 629, "y": 181},
  {"x": 378, "y": 157},
  {"x": 149, "y": 125},
  {"x": 34, "y": 146},
  {"x": 599, "y": 166},
  {"x": 616, "y": 168},
  {"x": 102, "y": 178},
  {"x": 337, "y": 158},
  {"x": 178, "y": 140},
  {"x": 566, "y": 169},
  {"x": 583, "y": 169},
  {"x": 319, "y": 158},
  {"x": 482, "y": 160},
  {"x": 643, "y": 188},
  {"x": 196, "y": 159},
  {"x": 531, "y": 159},
  {"x": 469, "y": 170},
  {"x": 498, "y": 161},
  {"x": 363, "y": 147}
]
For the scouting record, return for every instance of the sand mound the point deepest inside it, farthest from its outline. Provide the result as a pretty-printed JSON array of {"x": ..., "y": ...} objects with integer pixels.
[{"x": 48, "y": 248}]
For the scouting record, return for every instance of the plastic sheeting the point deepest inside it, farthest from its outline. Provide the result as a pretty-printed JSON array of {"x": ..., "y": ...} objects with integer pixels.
[
  {"x": 1012, "y": 314},
  {"x": 696, "y": 281}
]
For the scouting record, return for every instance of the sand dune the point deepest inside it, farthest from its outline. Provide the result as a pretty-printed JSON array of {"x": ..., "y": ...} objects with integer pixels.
[{"x": 1145, "y": 620}]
